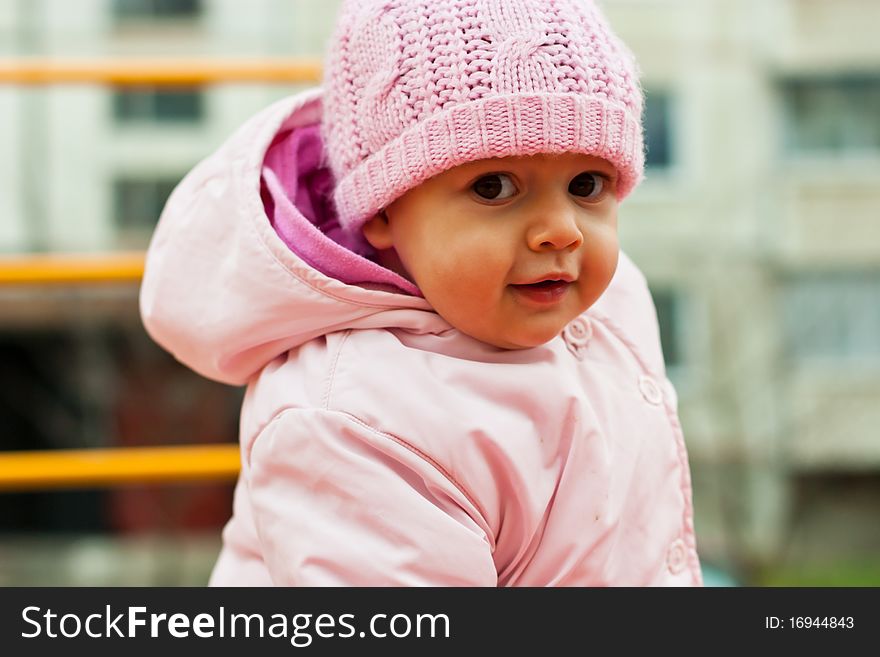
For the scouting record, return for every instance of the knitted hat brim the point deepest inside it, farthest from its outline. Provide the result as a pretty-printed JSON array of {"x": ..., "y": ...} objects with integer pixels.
[{"x": 499, "y": 126}]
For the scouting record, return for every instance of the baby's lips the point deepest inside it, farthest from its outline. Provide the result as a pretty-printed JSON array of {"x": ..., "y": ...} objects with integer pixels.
[
  {"x": 542, "y": 284},
  {"x": 553, "y": 277}
]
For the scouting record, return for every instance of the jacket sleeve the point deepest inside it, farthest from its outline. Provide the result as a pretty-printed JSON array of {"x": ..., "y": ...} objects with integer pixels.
[{"x": 337, "y": 503}]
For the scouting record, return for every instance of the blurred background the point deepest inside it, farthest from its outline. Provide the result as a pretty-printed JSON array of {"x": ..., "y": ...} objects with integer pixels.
[{"x": 758, "y": 227}]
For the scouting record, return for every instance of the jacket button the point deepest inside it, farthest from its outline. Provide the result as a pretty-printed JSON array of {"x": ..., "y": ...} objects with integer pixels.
[
  {"x": 650, "y": 390},
  {"x": 579, "y": 330},
  {"x": 676, "y": 557},
  {"x": 576, "y": 335}
]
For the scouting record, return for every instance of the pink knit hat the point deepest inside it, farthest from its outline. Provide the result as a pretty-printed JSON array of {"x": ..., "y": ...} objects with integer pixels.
[{"x": 415, "y": 87}]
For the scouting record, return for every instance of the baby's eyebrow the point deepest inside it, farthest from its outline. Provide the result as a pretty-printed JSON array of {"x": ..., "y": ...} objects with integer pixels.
[
  {"x": 604, "y": 167},
  {"x": 609, "y": 171}
]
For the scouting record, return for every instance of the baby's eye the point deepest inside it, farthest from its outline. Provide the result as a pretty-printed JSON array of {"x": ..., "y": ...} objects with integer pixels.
[
  {"x": 586, "y": 185},
  {"x": 495, "y": 187}
]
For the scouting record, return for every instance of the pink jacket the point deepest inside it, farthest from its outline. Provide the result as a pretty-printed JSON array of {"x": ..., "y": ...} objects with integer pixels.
[{"x": 380, "y": 446}]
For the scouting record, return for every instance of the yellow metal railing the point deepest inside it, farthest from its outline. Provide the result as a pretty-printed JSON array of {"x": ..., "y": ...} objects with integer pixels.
[
  {"x": 102, "y": 467},
  {"x": 157, "y": 71},
  {"x": 49, "y": 269},
  {"x": 83, "y": 468}
]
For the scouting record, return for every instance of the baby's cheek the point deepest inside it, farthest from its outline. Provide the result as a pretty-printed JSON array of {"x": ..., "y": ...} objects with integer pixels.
[
  {"x": 462, "y": 269},
  {"x": 463, "y": 296},
  {"x": 600, "y": 265}
]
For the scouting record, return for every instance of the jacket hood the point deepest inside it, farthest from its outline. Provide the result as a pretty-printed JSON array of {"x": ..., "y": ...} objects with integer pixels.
[{"x": 225, "y": 294}]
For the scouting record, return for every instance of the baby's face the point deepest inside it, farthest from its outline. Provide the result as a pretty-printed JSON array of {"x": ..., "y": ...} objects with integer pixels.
[{"x": 508, "y": 250}]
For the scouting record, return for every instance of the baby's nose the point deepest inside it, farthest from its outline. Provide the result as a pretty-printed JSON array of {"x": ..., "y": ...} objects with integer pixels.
[{"x": 555, "y": 229}]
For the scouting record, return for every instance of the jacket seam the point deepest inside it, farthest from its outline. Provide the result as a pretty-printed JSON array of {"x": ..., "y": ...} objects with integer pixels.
[
  {"x": 446, "y": 474},
  {"x": 685, "y": 486},
  {"x": 621, "y": 335},
  {"x": 331, "y": 376},
  {"x": 435, "y": 465},
  {"x": 254, "y": 435}
]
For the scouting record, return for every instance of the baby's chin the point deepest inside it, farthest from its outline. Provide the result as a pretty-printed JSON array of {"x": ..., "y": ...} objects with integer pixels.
[{"x": 519, "y": 339}]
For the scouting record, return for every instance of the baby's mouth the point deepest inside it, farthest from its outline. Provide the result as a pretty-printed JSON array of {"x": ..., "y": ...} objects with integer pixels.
[
  {"x": 543, "y": 284},
  {"x": 543, "y": 292}
]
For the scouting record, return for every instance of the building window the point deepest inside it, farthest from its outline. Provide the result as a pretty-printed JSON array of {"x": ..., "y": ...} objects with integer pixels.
[
  {"x": 668, "y": 304},
  {"x": 138, "y": 202},
  {"x": 833, "y": 316},
  {"x": 658, "y": 143},
  {"x": 832, "y": 115},
  {"x": 158, "y": 105},
  {"x": 156, "y": 9}
]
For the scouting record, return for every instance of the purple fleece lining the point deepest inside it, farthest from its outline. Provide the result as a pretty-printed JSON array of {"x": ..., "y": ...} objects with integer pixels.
[{"x": 297, "y": 193}]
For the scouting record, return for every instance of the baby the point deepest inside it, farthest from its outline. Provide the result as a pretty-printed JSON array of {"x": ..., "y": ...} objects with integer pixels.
[{"x": 454, "y": 376}]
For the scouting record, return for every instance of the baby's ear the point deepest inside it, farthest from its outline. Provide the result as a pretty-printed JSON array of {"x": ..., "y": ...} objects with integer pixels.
[{"x": 378, "y": 232}]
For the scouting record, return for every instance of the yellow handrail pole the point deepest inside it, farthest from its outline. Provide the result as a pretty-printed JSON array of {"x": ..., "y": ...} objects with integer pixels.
[
  {"x": 118, "y": 267},
  {"x": 44, "y": 470},
  {"x": 85, "y": 468},
  {"x": 157, "y": 71}
]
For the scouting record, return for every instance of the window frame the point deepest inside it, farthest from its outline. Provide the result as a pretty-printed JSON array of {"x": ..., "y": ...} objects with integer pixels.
[
  {"x": 149, "y": 98},
  {"x": 795, "y": 144},
  {"x": 127, "y": 225},
  {"x": 156, "y": 11},
  {"x": 850, "y": 352}
]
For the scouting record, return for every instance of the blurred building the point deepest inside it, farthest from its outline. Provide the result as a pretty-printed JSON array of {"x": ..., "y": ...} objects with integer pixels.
[
  {"x": 758, "y": 227},
  {"x": 87, "y": 168}
]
